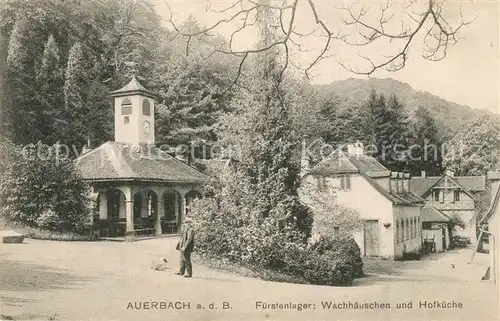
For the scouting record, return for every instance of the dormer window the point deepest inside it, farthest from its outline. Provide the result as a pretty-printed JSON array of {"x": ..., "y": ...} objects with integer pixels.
[
  {"x": 126, "y": 107},
  {"x": 436, "y": 195},
  {"x": 146, "y": 108},
  {"x": 456, "y": 195},
  {"x": 345, "y": 182}
]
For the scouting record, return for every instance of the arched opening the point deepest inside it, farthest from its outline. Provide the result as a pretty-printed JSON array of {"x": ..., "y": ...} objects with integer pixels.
[
  {"x": 145, "y": 209},
  {"x": 172, "y": 211},
  {"x": 109, "y": 213}
]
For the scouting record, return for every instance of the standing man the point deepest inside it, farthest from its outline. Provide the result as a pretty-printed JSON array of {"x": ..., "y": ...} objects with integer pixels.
[{"x": 186, "y": 246}]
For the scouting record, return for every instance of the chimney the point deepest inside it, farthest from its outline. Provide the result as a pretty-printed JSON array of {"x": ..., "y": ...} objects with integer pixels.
[
  {"x": 400, "y": 182},
  {"x": 423, "y": 174},
  {"x": 351, "y": 149},
  {"x": 406, "y": 183},
  {"x": 393, "y": 182},
  {"x": 86, "y": 148},
  {"x": 358, "y": 148}
]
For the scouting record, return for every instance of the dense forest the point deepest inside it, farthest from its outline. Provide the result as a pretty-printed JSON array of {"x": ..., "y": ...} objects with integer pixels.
[{"x": 61, "y": 59}]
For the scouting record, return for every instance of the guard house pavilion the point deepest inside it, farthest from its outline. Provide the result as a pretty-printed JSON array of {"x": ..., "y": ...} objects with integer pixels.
[{"x": 137, "y": 187}]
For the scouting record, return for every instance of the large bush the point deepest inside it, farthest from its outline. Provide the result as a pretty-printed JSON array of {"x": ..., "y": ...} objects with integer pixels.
[
  {"x": 229, "y": 235},
  {"x": 39, "y": 189}
]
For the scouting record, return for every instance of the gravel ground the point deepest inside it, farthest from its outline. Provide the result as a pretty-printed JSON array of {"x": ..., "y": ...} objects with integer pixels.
[{"x": 49, "y": 280}]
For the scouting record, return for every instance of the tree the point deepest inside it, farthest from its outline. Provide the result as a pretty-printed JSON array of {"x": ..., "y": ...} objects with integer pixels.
[
  {"x": 425, "y": 150},
  {"x": 475, "y": 150},
  {"x": 386, "y": 125},
  {"x": 75, "y": 98},
  {"x": 22, "y": 108},
  {"x": 50, "y": 80},
  {"x": 269, "y": 148},
  {"x": 41, "y": 190},
  {"x": 426, "y": 19}
]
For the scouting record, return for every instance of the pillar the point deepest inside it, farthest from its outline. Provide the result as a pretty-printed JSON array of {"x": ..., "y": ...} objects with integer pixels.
[
  {"x": 103, "y": 205},
  {"x": 159, "y": 214},
  {"x": 129, "y": 215},
  {"x": 182, "y": 212},
  {"x": 144, "y": 203}
]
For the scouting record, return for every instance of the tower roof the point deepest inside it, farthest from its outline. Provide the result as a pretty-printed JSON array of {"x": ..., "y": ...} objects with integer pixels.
[{"x": 133, "y": 87}]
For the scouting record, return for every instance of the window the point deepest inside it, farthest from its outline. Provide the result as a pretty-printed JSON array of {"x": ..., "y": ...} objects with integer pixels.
[
  {"x": 126, "y": 120},
  {"x": 407, "y": 235},
  {"x": 146, "y": 108},
  {"x": 126, "y": 107},
  {"x": 456, "y": 195},
  {"x": 418, "y": 224},
  {"x": 398, "y": 238},
  {"x": 321, "y": 182},
  {"x": 345, "y": 182},
  {"x": 436, "y": 195},
  {"x": 426, "y": 225}
]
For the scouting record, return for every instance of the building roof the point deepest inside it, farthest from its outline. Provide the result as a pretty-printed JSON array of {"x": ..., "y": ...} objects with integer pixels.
[
  {"x": 471, "y": 184},
  {"x": 493, "y": 206},
  {"x": 336, "y": 163},
  {"x": 430, "y": 214},
  {"x": 395, "y": 198},
  {"x": 339, "y": 162},
  {"x": 133, "y": 87},
  {"x": 114, "y": 161}
]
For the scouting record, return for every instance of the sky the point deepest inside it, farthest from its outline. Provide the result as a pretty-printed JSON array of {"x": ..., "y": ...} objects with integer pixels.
[{"x": 468, "y": 75}]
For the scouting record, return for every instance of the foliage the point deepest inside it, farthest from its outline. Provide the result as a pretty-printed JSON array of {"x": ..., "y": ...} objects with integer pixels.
[
  {"x": 386, "y": 125},
  {"x": 456, "y": 220},
  {"x": 330, "y": 218},
  {"x": 476, "y": 149},
  {"x": 43, "y": 234},
  {"x": 42, "y": 190},
  {"x": 426, "y": 151}
]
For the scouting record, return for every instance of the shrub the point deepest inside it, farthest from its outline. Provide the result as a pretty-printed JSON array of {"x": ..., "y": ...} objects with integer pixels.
[
  {"x": 411, "y": 256},
  {"x": 41, "y": 190},
  {"x": 342, "y": 248}
]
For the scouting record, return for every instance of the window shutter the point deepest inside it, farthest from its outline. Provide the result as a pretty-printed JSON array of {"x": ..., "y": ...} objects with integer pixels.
[
  {"x": 348, "y": 182},
  {"x": 126, "y": 107},
  {"x": 146, "y": 108}
]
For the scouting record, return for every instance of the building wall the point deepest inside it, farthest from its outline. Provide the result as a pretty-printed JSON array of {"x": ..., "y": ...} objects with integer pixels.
[
  {"x": 465, "y": 207},
  {"x": 409, "y": 238},
  {"x": 368, "y": 202}
]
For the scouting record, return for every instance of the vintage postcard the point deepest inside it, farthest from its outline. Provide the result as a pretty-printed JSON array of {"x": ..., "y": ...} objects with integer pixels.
[{"x": 249, "y": 160}]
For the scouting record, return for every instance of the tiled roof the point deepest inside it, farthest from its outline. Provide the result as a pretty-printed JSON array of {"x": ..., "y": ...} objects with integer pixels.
[
  {"x": 134, "y": 86},
  {"x": 120, "y": 161},
  {"x": 493, "y": 206},
  {"x": 339, "y": 162},
  {"x": 336, "y": 163},
  {"x": 430, "y": 214},
  {"x": 472, "y": 183},
  {"x": 369, "y": 165},
  {"x": 395, "y": 198},
  {"x": 421, "y": 185}
]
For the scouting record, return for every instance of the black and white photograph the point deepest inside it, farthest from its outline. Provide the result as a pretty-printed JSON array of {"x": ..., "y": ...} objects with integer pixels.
[{"x": 249, "y": 160}]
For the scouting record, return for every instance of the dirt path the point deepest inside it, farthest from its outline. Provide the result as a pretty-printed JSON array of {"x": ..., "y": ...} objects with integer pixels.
[{"x": 42, "y": 280}]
